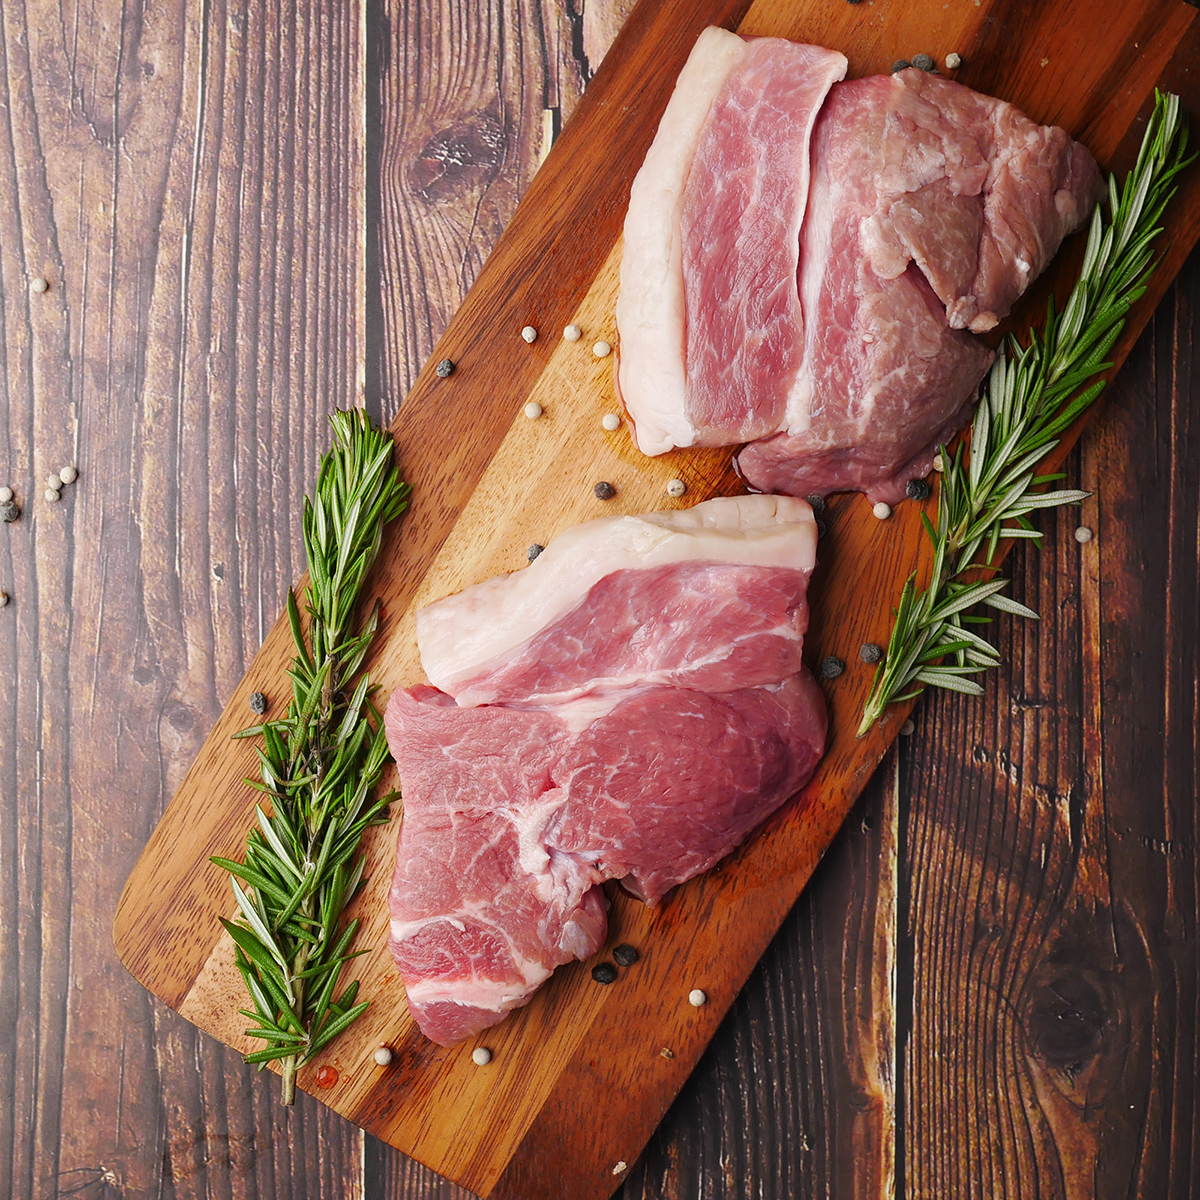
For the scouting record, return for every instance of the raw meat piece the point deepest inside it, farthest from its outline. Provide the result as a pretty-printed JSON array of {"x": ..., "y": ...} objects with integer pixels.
[
  {"x": 719, "y": 200},
  {"x": 828, "y": 315},
  {"x": 924, "y": 194},
  {"x": 743, "y": 209},
  {"x": 650, "y": 373},
  {"x": 647, "y": 764},
  {"x": 585, "y": 616},
  {"x": 487, "y": 901}
]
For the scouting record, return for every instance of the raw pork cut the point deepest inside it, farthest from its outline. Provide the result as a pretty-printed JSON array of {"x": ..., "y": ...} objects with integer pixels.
[
  {"x": 661, "y": 588},
  {"x": 650, "y": 317},
  {"x": 722, "y": 225},
  {"x": 931, "y": 208},
  {"x": 647, "y": 763},
  {"x": 829, "y": 272}
]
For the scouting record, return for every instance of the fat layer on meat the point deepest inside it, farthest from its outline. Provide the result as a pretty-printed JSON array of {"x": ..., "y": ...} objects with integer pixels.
[
  {"x": 475, "y": 645},
  {"x": 647, "y": 708}
]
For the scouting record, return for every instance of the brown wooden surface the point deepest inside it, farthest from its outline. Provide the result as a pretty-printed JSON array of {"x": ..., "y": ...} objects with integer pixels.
[{"x": 1035, "y": 1004}]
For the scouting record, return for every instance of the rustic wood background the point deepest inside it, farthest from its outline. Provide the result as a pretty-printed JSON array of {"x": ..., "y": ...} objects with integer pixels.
[{"x": 991, "y": 987}]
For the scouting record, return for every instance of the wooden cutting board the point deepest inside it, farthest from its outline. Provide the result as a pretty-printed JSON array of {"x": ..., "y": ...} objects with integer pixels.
[{"x": 581, "y": 1076}]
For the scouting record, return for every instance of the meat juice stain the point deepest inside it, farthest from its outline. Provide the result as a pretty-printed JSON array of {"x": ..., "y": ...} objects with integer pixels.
[{"x": 327, "y": 1076}]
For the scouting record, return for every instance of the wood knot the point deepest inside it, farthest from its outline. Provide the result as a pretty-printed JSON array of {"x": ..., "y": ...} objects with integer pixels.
[
  {"x": 1066, "y": 1018},
  {"x": 464, "y": 157}
]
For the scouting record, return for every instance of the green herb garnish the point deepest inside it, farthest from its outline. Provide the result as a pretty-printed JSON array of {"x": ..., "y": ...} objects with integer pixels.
[
  {"x": 1033, "y": 394},
  {"x": 319, "y": 765}
]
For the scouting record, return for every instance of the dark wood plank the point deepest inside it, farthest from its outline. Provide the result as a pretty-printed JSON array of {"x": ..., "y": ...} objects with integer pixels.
[
  {"x": 795, "y": 1097},
  {"x": 1052, "y": 846},
  {"x": 188, "y": 179}
]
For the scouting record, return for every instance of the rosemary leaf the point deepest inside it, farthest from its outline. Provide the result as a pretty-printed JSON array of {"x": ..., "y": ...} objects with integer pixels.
[{"x": 319, "y": 764}]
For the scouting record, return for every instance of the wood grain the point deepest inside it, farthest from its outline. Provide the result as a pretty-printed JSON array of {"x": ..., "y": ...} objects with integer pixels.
[
  {"x": 122, "y": 640},
  {"x": 1054, "y": 901},
  {"x": 484, "y": 486},
  {"x": 186, "y": 178}
]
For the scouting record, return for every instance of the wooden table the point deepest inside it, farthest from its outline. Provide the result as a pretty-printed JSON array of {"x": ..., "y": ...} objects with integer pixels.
[{"x": 991, "y": 986}]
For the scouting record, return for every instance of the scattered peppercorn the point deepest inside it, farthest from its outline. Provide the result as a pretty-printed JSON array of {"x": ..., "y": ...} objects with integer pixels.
[
  {"x": 625, "y": 955},
  {"x": 572, "y": 333},
  {"x": 1083, "y": 534},
  {"x": 906, "y": 730},
  {"x": 52, "y": 495},
  {"x": 604, "y": 490},
  {"x": 611, "y": 422},
  {"x": 533, "y": 410},
  {"x": 923, "y": 62},
  {"x": 870, "y": 653},
  {"x": 604, "y": 973},
  {"x": 601, "y": 349},
  {"x": 481, "y": 1056},
  {"x": 383, "y": 1056},
  {"x": 938, "y": 465},
  {"x": 68, "y": 474},
  {"x": 40, "y": 285},
  {"x": 953, "y": 61},
  {"x": 534, "y": 551},
  {"x": 816, "y": 503},
  {"x": 696, "y": 998},
  {"x": 9, "y": 511},
  {"x": 445, "y": 368},
  {"x": 529, "y": 333},
  {"x": 5, "y": 495},
  {"x": 917, "y": 489},
  {"x": 882, "y": 510},
  {"x": 900, "y": 64},
  {"x": 258, "y": 703},
  {"x": 3, "y": 599},
  {"x": 54, "y": 483},
  {"x": 676, "y": 488},
  {"x": 832, "y": 667}
]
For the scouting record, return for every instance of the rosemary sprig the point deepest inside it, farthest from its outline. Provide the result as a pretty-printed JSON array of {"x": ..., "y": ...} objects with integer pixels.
[
  {"x": 319, "y": 764},
  {"x": 1033, "y": 393}
]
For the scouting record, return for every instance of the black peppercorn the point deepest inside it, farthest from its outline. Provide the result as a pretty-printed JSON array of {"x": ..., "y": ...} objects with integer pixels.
[
  {"x": 923, "y": 62},
  {"x": 870, "y": 653},
  {"x": 900, "y": 64},
  {"x": 917, "y": 489},
  {"x": 625, "y": 955},
  {"x": 9, "y": 511},
  {"x": 604, "y": 972},
  {"x": 258, "y": 703},
  {"x": 831, "y": 667},
  {"x": 534, "y": 551},
  {"x": 817, "y": 503},
  {"x": 445, "y": 369},
  {"x": 604, "y": 490}
]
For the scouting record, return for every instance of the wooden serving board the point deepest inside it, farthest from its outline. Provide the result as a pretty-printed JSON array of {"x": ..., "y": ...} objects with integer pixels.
[{"x": 581, "y": 1076}]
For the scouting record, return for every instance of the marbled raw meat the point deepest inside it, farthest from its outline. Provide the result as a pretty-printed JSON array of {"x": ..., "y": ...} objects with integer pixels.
[
  {"x": 658, "y": 589},
  {"x": 513, "y": 817},
  {"x": 717, "y": 206},
  {"x": 931, "y": 208},
  {"x": 650, "y": 306},
  {"x": 647, "y": 764},
  {"x": 839, "y": 346}
]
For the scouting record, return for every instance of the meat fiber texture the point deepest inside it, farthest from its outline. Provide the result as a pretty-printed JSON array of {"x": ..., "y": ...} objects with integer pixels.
[
  {"x": 629, "y": 706},
  {"x": 718, "y": 205},
  {"x": 841, "y": 339}
]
